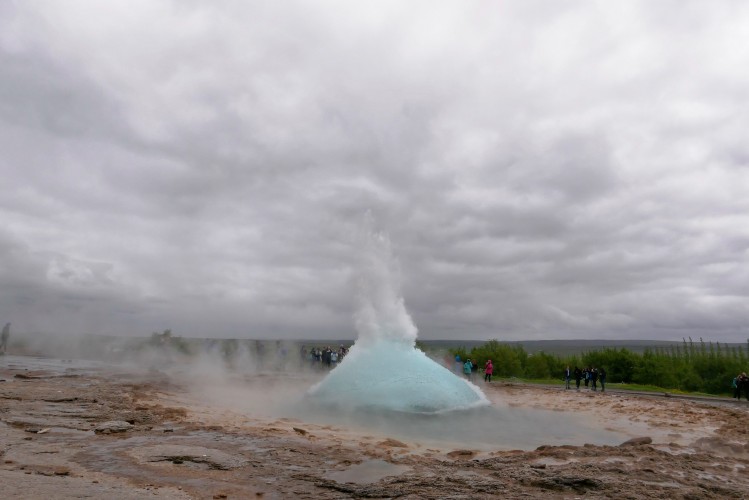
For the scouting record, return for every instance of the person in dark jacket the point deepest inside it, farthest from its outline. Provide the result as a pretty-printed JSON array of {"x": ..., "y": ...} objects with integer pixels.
[
  {"x": 4, "y": 338},
  {"x": 594, "y": 378},
  {"x": 567, "y": 376},
  {"x": 602, "y": 378},
  {"x": 578, "y": 376},
  {"x": 742, "y": 385}
]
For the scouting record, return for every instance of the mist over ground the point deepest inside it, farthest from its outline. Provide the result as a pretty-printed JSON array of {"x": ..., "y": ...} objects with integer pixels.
[{"x": 544, "y": 169}]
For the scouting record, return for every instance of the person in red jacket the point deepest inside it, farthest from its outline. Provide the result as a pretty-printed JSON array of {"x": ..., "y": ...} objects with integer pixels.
[{"x": 488, "y": 371}]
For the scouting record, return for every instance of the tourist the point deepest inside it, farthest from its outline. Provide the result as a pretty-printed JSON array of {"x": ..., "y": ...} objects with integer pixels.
[
  {"x": 567, "y": 376},
  {"x": 467, "y": 368},
  {"x": 735, "y": 387},
  {"x": 594, "y": 378},
  {"x": 602, "y": 378},
  {"x": 578, "y": 376},
  {"x": 4, "y": 338},
  {"x": 458, "y": 363},
  {"x": 586, "y": 375},
  {"x": 333, "y": 358},
  {"x": 742, "y": 384},
  {"x": 488, "y": 371}
]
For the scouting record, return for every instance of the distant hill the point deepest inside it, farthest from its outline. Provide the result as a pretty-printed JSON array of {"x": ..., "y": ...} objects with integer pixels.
[
  {"x": 90, "y": 343},
  {"x": 566, "y": 347}
]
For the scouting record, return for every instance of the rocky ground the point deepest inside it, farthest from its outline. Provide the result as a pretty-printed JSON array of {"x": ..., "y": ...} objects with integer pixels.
[{"x": 71, "y": 432}]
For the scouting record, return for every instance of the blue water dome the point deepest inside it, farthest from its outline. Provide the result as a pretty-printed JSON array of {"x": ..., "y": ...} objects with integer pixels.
[{"x": 392, "y": 375}]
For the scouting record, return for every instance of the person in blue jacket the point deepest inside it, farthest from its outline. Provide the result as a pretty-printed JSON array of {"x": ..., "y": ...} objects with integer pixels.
[{"x": 468, "y": 369}]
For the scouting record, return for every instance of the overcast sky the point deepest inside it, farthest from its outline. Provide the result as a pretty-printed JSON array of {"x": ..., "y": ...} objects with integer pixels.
[{"x": 545, "y": 170}]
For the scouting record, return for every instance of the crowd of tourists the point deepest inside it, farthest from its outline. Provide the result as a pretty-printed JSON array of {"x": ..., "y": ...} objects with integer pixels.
[
  {"x": 590, "y": 376},
  {"x": 469, "y": 368},
  {"x": 324, "y": 357}
]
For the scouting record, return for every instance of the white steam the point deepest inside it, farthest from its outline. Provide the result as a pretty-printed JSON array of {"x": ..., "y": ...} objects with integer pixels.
[{"x": 381, "y": 312}]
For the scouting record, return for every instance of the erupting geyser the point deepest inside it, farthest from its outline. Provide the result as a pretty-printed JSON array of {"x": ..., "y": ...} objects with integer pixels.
[{"x": 384, "y": 370}]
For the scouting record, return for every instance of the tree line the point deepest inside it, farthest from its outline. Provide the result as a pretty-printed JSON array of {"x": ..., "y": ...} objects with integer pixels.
[{"x": 688, "y": 366}]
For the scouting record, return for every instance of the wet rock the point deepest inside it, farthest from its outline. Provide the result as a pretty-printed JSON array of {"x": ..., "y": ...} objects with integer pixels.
[
  {"x": 113, "y": 426},
  {"x": 462, "y": 454},
  {"x": 637, "y": 441},
  {"x": 300, "y": 431},
  {"x": 720, "y": 445},
  {"x": 578, "y": 484},
  {"x": 51, "y": 470},
  {"x": 392, "y": 443},
  {"x": 61, "y": 471}
]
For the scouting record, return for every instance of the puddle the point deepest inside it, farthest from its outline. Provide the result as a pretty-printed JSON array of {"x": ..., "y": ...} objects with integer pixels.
[
  {"x": 367, "y": 472},
  {"x": 494, "y": 428},
  {"x": 480, "y": 429},
  {"x": 51, "y": 366}
]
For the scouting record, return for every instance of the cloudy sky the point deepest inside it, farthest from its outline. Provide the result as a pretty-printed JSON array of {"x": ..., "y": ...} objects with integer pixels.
[{"x": 544, "y": 169}]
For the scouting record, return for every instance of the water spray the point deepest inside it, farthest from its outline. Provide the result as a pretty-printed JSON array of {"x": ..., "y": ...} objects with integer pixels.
[{"x": 384, "y": 370}]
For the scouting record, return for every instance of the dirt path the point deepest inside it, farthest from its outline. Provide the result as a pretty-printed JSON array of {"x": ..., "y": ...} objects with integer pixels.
[{"x": 71, "y": 433}]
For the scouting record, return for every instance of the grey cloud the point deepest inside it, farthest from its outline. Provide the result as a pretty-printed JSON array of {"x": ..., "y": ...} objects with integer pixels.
[{"x": 543, "y": 170}]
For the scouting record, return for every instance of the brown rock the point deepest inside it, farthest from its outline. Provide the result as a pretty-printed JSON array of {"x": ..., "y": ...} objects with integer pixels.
[
  {"x": 393, "y": 443},
  {"x": 637, "y": 441},
  {"x": 113, "y": 426},
  {"x": 61, "y": 471}
]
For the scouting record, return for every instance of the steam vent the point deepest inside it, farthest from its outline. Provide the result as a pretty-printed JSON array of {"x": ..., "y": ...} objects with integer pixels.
[{"x": 383, "y": 370}]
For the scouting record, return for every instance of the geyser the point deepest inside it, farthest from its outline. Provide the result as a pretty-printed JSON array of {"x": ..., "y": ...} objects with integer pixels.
[{"x": 384, "y": 370}]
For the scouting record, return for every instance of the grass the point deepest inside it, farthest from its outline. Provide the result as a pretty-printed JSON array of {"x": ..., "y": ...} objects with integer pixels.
[{"x": 619, "y": 386}]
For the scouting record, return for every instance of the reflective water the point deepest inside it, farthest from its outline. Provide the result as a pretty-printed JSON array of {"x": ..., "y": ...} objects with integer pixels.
[
  {"x": 53, "y": 366},
  {"x": 485, "y": 428},
  {"x": 369, "y": 471}
]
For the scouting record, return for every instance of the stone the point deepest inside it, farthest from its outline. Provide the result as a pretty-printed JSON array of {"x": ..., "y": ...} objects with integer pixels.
[
  {"x": 113, "y": 426},
  {"x": 392, "y": 443},
  {"x": 637, "y": 441}
]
